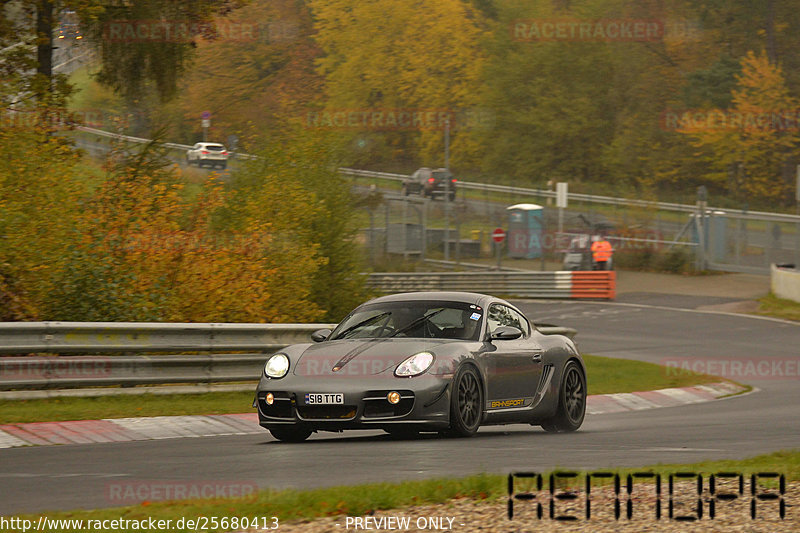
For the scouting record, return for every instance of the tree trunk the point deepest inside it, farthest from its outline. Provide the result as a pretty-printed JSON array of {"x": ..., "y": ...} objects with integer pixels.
[
  {"x": 44, "y": 40},
  {"x": 772, "y": 50}
]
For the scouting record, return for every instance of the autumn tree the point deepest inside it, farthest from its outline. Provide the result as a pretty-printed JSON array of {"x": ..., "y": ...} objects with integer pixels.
[
  {"x": 383, "y": 55},
  {"x": 753, "y": 142},
  {"x": 39, "y": 204},
  {"x": 148, "y": 252},
  {"x": 254, "y": 75},
  {"x": 294, "y": 187}
]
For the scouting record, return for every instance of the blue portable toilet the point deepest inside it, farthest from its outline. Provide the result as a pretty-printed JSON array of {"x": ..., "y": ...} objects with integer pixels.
[{"x": 525, "y": 231}]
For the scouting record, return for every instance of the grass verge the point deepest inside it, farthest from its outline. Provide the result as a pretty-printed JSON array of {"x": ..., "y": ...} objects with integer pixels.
[
  {"x": 606, "y": 375},
  {"x": 776, "y": 307},
  {"x": 94, "y": 408},
  {"x": 290, "y": 505}
]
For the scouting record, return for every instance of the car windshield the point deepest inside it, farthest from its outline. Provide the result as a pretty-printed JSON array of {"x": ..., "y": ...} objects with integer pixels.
[
  {"x": 418, "y": 319},
  {"x": 215, "y": 147}
]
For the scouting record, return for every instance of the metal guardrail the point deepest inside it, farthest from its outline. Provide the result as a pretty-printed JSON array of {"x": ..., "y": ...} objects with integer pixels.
[
  {"x": 521, "y": 284},
  {"x": 505, "y": 189},
  {"x": 126, "y": 337},
  {"x": 609, "y": 200},
  {"x": 140, "y": 140},
  {"x": 530, "y": 284},
  {"x": 127, "y": 371},
  {"x": 34, "y": 372},
  {"x": 82, "y": 371}
]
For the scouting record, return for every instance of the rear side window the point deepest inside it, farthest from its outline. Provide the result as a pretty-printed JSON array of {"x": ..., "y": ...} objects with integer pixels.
[{"x": 501, "y": 315}]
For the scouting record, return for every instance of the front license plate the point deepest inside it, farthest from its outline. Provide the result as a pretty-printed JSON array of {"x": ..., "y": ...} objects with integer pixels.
[{"x": 313, "y": 398}]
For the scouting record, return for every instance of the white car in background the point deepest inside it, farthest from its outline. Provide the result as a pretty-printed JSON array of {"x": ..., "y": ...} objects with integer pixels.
[{"x": 211, "y": 154}]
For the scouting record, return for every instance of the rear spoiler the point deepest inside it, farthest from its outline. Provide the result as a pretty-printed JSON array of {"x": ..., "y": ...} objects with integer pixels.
[{"x": 550, "y": 329}]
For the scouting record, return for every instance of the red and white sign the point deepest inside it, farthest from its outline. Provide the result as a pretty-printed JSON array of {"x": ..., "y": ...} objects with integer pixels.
[{"x": 498, "y": 235}]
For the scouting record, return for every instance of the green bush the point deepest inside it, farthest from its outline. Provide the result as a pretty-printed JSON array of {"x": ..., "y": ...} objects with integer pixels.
[{"x": 673, "y": 260}]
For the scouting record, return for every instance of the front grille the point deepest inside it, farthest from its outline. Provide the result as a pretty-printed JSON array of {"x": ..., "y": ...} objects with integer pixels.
[{"x": 326, "y": 412}]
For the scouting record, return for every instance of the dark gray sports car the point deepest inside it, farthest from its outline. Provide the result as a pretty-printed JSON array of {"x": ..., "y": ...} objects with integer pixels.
[{"x": 425, "y": 361}]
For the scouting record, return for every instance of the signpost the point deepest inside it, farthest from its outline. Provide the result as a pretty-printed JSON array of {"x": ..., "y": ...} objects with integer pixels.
[
  {"x": 498, "y": 236},
  {"x": 205, "y": 122},
  {"x": 561, "y": 203}
]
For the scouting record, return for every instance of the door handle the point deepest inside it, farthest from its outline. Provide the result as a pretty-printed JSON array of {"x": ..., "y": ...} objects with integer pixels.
[{"x": 537, "y": 355}]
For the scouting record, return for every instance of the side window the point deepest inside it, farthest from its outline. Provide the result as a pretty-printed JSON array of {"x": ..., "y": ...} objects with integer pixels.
[
  {"x": 495, "y": 318},
  {"x": 522, "y": 321},
  {"x": 500, "y": 315}
]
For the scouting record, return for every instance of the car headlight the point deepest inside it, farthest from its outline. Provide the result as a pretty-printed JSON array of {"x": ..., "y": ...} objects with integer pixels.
[
  {"x": 277, "y": 366},
  {"x": 414, "y": 365}
]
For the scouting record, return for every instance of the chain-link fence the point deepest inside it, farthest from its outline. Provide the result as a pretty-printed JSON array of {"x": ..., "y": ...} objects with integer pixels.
[{"x": 644, "y": 234}]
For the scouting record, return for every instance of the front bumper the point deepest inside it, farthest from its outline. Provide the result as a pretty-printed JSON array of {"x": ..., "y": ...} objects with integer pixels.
[{"x": 424, "y": 403}]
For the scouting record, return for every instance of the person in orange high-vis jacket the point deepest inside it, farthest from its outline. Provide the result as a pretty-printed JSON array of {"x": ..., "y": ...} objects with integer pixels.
[{"x": 601, "y": 252}]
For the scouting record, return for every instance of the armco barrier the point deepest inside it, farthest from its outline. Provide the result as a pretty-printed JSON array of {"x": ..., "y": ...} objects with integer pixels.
[
  {"x": 601, "y": 284},
  {"x": 557, "y": 284},
  {"x": 112, "y": 339}
]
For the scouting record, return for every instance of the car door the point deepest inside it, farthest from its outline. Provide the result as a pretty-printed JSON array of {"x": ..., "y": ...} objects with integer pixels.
[{"x": 514, "y": 367}]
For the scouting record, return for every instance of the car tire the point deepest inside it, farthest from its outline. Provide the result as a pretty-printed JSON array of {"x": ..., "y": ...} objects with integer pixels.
[
  {"x": 188, "y": 161},
  {"x": 404, "y": 190},
  {"x": 290, "y": 434},
  {"x": 571, "y": 401},
  {"x": 466, "y": 403}
]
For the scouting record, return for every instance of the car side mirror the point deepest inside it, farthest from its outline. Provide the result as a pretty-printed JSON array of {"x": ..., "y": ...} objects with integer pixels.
[
  {"x": 320, "y": 335},
  {"x": 506, "y": 333}
]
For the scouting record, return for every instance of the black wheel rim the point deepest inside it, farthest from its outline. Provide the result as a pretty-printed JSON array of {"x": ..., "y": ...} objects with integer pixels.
[
  {"x": 574, "y": 394},
  {"x": 469, "y": 400}
]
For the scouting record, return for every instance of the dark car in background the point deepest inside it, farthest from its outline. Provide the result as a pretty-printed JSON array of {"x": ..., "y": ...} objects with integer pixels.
[
  {"x": 431, "y": 183},
  {"x": 445, "y": 362}
]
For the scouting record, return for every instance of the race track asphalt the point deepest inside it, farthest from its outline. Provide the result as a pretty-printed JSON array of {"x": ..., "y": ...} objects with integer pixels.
[{"x": 37, "y": 479}]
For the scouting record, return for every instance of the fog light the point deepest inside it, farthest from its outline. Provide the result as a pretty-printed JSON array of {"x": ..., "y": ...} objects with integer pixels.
[
  {"x": 393, "y": 397},
  {"x": 269, "y": 398}
]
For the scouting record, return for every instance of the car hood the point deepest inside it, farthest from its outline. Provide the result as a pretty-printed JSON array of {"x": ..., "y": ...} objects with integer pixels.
[{"x": 360, "y": 357}]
